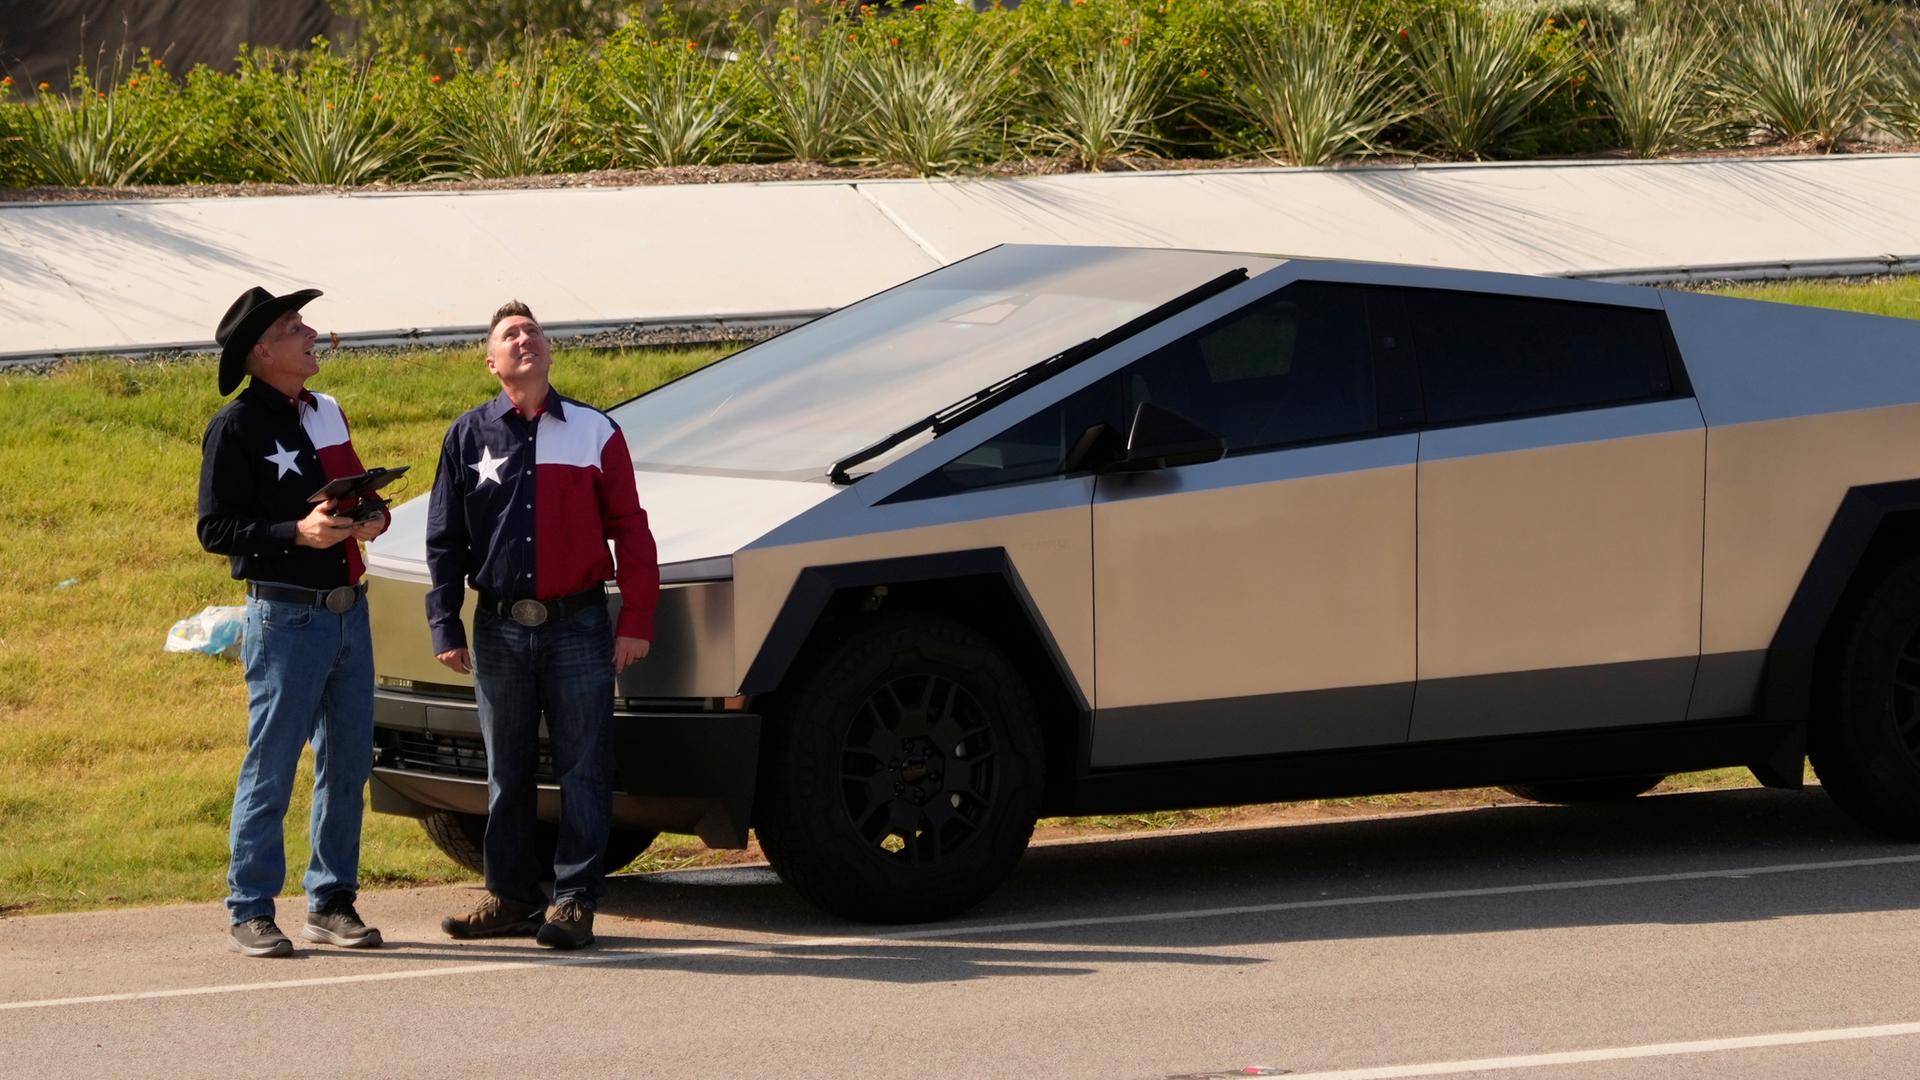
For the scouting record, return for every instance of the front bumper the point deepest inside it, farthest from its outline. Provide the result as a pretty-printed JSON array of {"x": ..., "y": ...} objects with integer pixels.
[{"x": 675, "y": 769}]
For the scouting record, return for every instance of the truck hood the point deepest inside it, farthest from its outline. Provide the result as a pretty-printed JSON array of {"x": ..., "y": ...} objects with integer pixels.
[{"x": 697, "y": 521}]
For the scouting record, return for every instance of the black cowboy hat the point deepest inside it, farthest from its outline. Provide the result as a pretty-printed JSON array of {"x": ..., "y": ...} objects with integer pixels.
[{"x": 243, "y": 324}]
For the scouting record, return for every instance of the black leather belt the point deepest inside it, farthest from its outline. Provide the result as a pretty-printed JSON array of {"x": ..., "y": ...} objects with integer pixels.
[
  {"x": 339, "y": 601},
  {"x": 536, "y": 612}
]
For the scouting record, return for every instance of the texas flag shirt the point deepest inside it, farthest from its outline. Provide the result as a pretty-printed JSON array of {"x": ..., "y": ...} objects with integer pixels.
[
  {"x": 524, "y": 510},
  {"x": 263, "y": 457}
]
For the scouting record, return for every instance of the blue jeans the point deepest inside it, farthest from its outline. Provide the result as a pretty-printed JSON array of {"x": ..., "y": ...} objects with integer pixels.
[
  {"x": 564, "y": 670},
  {"x": 309, "y": 679}
]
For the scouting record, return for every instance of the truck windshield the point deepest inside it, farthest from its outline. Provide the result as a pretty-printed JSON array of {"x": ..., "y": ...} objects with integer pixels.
[{"x": 790, "y": 407}]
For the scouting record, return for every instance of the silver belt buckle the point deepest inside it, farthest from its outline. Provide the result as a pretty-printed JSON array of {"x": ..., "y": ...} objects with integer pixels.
[
  {"x": 340, "y": 600},
  {"x": 528, "y": 612}
]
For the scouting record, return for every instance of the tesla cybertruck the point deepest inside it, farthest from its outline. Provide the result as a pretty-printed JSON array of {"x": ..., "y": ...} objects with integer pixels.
[{"x": 1076, "y": 530}]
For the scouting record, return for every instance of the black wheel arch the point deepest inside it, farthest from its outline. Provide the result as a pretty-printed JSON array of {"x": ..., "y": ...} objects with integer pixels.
[
  {"x": 980, "y": 587},
  {"x": 1875, "y": 527}
]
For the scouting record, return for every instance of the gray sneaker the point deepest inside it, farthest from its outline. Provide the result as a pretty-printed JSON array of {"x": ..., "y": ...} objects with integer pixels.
[
  {"x": 338, "y": 924},
  {"x": 260, "y": 937},
  {"x": 569, "y": 927},
  {"x": 494, "y": 917}
]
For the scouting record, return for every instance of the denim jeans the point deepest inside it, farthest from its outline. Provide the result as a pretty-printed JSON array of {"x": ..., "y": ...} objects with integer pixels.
[
  {"x": 563, "y": 670},
  {"x": 309, "y": 679}
]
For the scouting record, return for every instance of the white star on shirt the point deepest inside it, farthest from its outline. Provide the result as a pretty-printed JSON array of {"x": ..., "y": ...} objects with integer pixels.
[
  {"x": 285, "y": 460},
  {"x": 488, "y": 466}
]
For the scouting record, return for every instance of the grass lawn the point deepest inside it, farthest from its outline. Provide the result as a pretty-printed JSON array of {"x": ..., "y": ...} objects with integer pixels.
[{"x": 118, "y": 757}]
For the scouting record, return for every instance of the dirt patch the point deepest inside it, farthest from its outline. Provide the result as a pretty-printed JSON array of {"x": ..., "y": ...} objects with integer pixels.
[{"x": 791, "y": 171}]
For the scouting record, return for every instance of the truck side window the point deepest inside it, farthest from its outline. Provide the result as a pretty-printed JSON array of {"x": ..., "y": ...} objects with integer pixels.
[
  {"x": 1293, "y": 367},
  {"x": 1482, "y": 357}
]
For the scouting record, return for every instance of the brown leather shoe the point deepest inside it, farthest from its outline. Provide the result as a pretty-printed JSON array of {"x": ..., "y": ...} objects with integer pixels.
[
  {"x": 494, "y": 917},
  {"x": 569, "y": 927}
]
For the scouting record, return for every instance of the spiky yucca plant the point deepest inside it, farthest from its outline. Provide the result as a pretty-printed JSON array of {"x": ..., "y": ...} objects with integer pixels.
[
  {"x": 1100, "y": 106},
  {"x": 929, "y": 112},
  {"x": 1650, "y": 78},
  {"x": 1317, "y": 90},
  {"x": 1800, "y": 69},
  {"x": 678, "y": 111},
  {"x": 327, "y": 127},
  {"x": 1899, "y": 92},
  {"x": 1479, "y": 79},
  {"x": 87, "y": 138},
  {"x": 511, "y": 120},
  {"x": 811, "y": 99}
]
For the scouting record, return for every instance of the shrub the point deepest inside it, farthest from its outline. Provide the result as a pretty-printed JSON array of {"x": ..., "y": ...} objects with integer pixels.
[
  {"x": 1101, "y": 106},
  {"x": 1650, "y": 80},
  {"x": 677, "y": 107},
  {"x": 1799, "y": 69},
  {"x": 507, "y": 118},
  {"x": 92, "y": 136},
  {"x": 1900, "y": 88},
  {"x": 929, "y": 112},
  {"x": 806, "y": 79},
  {"x": 1318, "y": 92},
  {"x": 1479, "y": 79},
  {"x": 325, "y": 124}
]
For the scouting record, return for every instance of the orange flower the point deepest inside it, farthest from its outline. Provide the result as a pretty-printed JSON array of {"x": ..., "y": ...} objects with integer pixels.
[
  {"x": 893, "y": 41},
  {"x": 158, "y": 63},
  {"x": 851, "y": 37},
  {"x": 690, "y": 46},
  {"x": 45, "y": 86},
  {"x": 435, "y": 80},
  {"x": 133, "y": 84},
  {"x": 376, "y": 97},
  {"x": 1126, "y": 42},
  {"x": 1403, "y": 33},
  {"x": 1204, "y": 73},
  {"x": 457, "y": 50},
  {"x": 6, "y": 80}
]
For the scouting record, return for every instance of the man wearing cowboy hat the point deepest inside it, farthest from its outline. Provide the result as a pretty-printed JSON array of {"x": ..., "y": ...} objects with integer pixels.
[{"x": 307, "y": 651}]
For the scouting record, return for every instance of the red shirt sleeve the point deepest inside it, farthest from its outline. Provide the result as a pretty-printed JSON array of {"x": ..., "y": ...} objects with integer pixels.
[{"x": 636, "y": 559}]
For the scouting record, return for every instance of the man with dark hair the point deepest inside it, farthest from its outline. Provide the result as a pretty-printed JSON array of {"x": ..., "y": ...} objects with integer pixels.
[
  {"x": 307, "y": 651},
  {"x": 532, "y": 486}
]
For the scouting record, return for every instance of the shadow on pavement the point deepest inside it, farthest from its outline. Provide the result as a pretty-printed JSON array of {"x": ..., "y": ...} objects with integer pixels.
[{"x": 1341, "y": 864}]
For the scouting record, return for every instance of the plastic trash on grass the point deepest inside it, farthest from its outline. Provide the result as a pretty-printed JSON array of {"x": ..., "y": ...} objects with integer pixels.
[{"x": 215, "y": 631}]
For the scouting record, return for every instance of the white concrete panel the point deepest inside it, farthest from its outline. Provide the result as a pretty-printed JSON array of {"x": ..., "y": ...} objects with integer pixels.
[
  {"x": 661, "y": 252},
  {"x": 39, "y": 310},
  {"x": 1527, "y": 218},
  {"x": 167, "y": 270},
  {"x": 120, "y": 275}
]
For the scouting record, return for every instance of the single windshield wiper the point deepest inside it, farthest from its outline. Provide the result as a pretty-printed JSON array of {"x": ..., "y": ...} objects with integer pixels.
[{"x": 979, "y": 401}]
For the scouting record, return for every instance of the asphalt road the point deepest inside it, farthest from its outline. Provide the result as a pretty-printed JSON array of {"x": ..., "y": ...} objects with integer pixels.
[{"x": 1744, "y": 933}]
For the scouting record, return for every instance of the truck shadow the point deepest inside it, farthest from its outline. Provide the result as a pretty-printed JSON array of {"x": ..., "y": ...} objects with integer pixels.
[{"x": 1698, "y": 858}]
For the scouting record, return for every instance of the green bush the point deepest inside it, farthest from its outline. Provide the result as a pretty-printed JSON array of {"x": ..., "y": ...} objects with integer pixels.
[{"x": 940, "y": 88}]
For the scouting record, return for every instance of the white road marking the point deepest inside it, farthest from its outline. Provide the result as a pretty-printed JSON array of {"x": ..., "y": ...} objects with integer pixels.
[
  {"x": 977, "y": 930},
  {"x": 1619, "y": 1053}
]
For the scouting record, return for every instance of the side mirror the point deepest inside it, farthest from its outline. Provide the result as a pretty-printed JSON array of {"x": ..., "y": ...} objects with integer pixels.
[{"x": 1163, "y": 439}]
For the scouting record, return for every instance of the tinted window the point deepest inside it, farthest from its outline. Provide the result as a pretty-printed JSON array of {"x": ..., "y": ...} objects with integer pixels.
[
  {"x": 1485, "y": 356},
  {"x": 1294, "y": 367}
]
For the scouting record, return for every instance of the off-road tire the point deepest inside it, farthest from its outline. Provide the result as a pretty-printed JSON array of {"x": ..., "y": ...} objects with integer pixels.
[
  {"x": 460, "y": 837},
  {"x": 1864, "y": 733},
  {"x": 901, "y": 779},
  {"x": 1574, "y": 792}
]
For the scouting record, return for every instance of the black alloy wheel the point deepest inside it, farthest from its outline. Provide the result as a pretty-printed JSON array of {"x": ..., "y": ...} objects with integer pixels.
[
  {"x": 1864, "y": 732},
  {"x": 901, "y": 780},
  {"x": 917, "y": 768}
]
